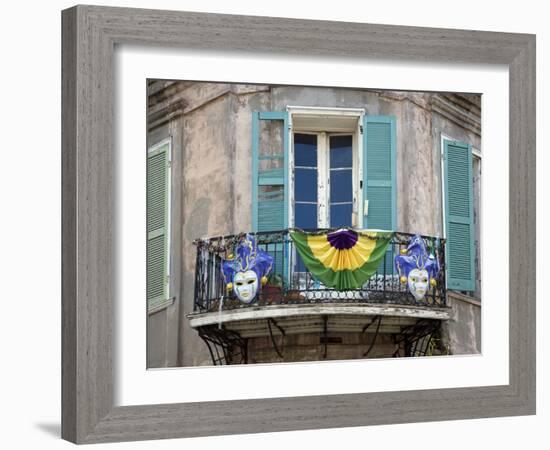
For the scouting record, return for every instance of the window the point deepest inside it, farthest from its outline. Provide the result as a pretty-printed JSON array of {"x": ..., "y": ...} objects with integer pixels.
[
  {"x": 326, "y": 167},
  {"x": 158, "y": 226},
  {"x": 323, "y": 168}
]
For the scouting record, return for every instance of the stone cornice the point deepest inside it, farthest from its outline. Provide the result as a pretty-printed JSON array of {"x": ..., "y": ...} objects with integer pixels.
[
  {"x": 460, "y": 109},
  {"x": 463, "y": 110},
  {"x": 168, "y": 99}
]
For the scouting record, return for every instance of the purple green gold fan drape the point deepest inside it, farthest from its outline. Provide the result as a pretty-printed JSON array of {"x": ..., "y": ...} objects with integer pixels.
[{"x": 342, "y": 259}]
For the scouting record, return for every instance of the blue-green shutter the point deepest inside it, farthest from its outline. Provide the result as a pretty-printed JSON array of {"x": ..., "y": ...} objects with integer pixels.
[
  {"x": 459, "y": 216},
  {"x": 269, "y": 185},
  {"x": 270, "y": 194},
  {"x": 379, "y": 180},
  {"x": 158, "y": 166}
]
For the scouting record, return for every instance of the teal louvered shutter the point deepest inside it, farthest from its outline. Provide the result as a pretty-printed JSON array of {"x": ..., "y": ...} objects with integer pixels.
[
  {"x": 270, "y": 171},
  {"x": 379, "y": 180},
  {"x": 158, "y": 176},
  {"x": 459, "y": 216},
  {"x": 270, "y": 177}
]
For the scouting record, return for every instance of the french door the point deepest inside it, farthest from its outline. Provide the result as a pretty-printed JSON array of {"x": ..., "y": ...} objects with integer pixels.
[{"x": 324, "y": 173}]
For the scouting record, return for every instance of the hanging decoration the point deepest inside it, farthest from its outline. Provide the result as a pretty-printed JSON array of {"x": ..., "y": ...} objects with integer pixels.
[
  {"x": 343, "y": 259},
  {"x": 418, "y": 268},
  {"x": 246, "y": 269}
]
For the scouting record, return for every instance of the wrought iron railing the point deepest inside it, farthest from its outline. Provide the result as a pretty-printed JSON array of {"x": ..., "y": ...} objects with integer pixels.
[{"x": 291, "y": 283}]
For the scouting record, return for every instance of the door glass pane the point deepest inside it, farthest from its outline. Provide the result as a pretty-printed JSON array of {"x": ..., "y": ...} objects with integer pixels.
[
  {"x": 305, "y": 150},
  {"x": 305, "y": 180},
  {"x": 342, "y": 155},
  {"x": 305, "y": 215},
  {"x": 341, "y": 181},
  {"x": 305, "y": 185},
  {"x": 305, "y": 188},
  {"x": 340, "y": 215},
  {"x": 341, "y": 188}
]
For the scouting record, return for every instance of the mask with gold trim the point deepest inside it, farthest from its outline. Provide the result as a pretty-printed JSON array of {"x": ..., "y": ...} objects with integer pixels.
[{"x": 244, "y": 271}]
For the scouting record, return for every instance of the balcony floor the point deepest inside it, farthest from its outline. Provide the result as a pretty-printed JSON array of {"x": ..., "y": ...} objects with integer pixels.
[{"x": 251, "y": 320}]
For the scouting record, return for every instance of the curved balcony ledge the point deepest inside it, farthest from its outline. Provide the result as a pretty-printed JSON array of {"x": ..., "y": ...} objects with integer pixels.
[{"x": 357, "y": 310}]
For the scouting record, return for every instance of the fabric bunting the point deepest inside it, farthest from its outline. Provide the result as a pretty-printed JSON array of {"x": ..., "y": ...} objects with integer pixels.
[{"x": 343, "y": 259}]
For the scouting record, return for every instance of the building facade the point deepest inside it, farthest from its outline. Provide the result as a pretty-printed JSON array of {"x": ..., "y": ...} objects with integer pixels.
[{"x": 229, "y": 159}]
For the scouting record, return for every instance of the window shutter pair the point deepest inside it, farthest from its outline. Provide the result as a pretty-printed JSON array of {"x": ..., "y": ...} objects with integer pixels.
[
  {"x": 459, "y": 216},
  {"x": 158, "y": 176},
  {"x": 270, "y": 194}
]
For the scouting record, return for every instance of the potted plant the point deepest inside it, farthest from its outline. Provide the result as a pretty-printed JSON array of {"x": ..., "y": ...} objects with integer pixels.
[{"x": 272, "y": 291}]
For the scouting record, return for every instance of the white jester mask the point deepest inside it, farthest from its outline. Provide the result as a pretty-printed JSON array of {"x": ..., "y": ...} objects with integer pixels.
[
  {"x": 246, "y": 285},
  {"x": 418, "y": 268},
  {"x": 243, "y": 269},
  {"x": 418, "y": 282}
]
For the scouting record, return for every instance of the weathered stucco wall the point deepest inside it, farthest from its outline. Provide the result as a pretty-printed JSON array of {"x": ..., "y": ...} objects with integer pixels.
[
  {"x": 208, "y": 192},
  {"x": 210, "y": 125},
  {"x": 463, "y": 331}
]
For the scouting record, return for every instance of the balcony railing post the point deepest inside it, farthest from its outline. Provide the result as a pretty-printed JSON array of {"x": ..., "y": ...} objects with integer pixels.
[
  {"x": 197, "y": 294},
  {"x": 443, "y": 271}
]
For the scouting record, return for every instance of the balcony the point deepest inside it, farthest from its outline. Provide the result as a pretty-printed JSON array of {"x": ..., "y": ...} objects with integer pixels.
[
  {"x": 290, "y": 283},
  {"x": 292, "y": 309}
]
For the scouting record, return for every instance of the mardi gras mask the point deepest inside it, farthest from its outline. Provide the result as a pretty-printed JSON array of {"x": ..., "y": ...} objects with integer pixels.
[
  {"x": 417, "y": 268},
  {"x": 245, "y": 285},
  {"x": 417, "y": 282},
  {"x": 244, "y": 271}
]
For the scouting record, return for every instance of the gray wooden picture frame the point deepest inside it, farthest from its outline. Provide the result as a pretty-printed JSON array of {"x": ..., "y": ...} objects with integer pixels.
[{"x": 90, "y": 34}]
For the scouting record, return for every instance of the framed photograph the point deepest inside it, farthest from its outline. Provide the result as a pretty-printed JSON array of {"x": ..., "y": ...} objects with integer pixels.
[
  {"x": 332, "y": 240},
  {"x": 240, "y": 192}
]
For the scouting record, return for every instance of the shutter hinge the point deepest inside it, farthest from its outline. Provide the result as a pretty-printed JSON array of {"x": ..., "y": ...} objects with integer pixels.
[
  {"x": 361, "y": 129},
  {"x": 169, "y": 163}
]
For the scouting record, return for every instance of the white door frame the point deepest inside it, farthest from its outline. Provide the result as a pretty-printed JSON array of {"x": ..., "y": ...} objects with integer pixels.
[{"x": 322, "y": 165}]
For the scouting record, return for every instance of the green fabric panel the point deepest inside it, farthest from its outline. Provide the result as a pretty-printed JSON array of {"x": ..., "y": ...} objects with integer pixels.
[{"x": 342, "y": 280}]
